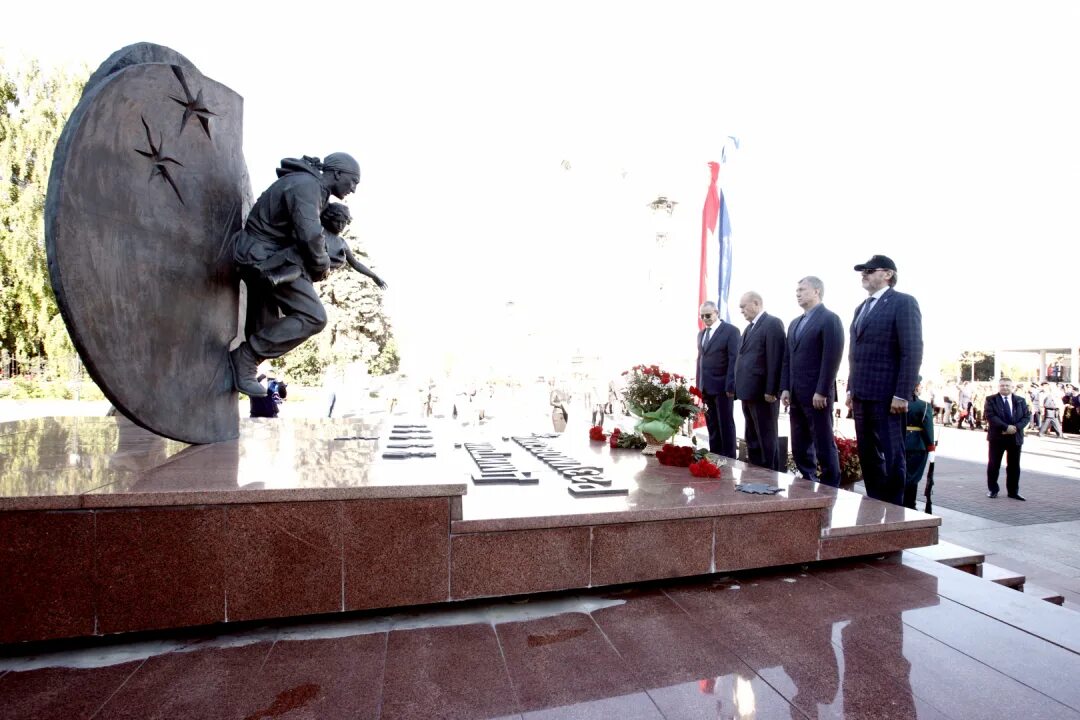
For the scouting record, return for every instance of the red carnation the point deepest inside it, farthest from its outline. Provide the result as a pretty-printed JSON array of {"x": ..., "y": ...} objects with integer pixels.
[
  {"x": 675, "y": 455},
  {"x": 704, "y": 469},
  {"x": 665, "y": 378},
  {"x": 596, "y": 434}
]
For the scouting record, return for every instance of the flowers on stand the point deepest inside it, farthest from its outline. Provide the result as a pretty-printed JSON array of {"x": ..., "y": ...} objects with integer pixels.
[
  {"x": 662, "y": 400},
  {"x": 850, "y": 469},
  {"x": 596, "y": 433}
]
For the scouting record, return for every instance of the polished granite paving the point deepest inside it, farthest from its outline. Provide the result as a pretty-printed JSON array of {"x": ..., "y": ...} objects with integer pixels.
[{"x": 888, "y": 638}]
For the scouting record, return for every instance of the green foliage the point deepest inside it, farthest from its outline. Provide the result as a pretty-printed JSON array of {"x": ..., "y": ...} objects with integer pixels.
[
  {"x": 387, "y": 361},
  {"x": 34, "y": 105},
  {"x": 634, "y": 441},
  {"x": 661, "y": 423}
]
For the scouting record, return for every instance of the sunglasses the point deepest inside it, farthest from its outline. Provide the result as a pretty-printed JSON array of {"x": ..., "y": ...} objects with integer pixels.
[{"x": 706, "y": 315}]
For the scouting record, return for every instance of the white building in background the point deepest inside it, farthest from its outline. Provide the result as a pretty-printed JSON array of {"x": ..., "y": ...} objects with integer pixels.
[{"x": 1056, "y": 363}]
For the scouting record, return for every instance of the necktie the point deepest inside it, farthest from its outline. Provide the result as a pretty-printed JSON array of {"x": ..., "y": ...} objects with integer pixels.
[
  {"x": 1008, "y": 406},
  {"x": 867, "y": 307},
  {"x": 705, "y": 340},
  {"x": 799, "y": 327}
]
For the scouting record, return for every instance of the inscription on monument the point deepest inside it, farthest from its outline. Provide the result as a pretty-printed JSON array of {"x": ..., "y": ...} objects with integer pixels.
[
  {"x": 585, "y": 480},
  {"x": 409, "y": 441},
  {"x": 495, "y": 467}
]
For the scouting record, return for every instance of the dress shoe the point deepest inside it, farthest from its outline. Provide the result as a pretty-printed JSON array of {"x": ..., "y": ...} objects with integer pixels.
[
  {"x": 991, "y": 494},
  {"x": 1017, "y": 496},
  {"x": 244, "y": 365}
]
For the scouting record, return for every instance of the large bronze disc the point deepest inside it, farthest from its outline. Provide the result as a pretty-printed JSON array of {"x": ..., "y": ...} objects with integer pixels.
[{"x": 148, "y": 184}]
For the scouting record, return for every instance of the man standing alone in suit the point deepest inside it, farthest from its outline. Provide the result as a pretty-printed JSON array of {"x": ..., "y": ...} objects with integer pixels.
[
  {"x": 718, "y": 345},
  {"x": 815, "y": 345},
  {"x": 886, "y": 352},
  {"x": 1006, "y": 417},
  {"x": 757, "y": 380}
]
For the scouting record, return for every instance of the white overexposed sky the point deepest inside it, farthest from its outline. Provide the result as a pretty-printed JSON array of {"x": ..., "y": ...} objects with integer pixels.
[{"x": 942, "y": 134}]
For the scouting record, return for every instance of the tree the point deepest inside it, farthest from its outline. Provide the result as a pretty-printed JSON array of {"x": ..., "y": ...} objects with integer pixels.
[
  {"x": 34, "y": 105},
  {"x": 978, "y": 364},
  {"x": 357, "y": 329}
]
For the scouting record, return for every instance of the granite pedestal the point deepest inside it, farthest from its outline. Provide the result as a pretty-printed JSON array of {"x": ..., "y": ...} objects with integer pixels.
[{"x": 106, "y": 528}]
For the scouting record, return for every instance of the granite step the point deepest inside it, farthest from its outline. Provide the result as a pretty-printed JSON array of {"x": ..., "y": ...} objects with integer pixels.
[
  {"x": 1000, "y": 575},
  {"x": 1043, "y": 594},
  {"x": 974, "y": 562},
  {"x": 953, "y": 555}
]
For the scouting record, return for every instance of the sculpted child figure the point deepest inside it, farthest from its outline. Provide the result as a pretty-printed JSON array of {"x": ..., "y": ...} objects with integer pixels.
[{"x": 286, "y": 266}]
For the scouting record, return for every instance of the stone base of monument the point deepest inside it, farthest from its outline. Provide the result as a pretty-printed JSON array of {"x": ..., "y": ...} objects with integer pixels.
[{"x": 106, "y": 528}]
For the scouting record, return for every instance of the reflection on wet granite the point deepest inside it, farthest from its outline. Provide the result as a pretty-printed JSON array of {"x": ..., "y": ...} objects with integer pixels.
[
  {"x": 63, "y": 463},
  {"x": 43, "y": 457},
  {"x": 854, "y": 514},
  {"x": 841, "y": 640}
]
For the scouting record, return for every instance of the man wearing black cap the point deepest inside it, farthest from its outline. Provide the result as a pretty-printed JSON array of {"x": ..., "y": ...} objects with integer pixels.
[{"x": 884, "y": 360}]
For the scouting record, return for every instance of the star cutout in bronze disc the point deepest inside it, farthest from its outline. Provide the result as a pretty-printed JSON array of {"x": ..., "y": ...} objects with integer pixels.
[
  {"x": 192, "y": 105},
  {"x": 157, "y": 154}
]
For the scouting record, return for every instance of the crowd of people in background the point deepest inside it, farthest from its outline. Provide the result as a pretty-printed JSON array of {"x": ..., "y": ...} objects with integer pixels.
[{"x": 1055, "y": 407}]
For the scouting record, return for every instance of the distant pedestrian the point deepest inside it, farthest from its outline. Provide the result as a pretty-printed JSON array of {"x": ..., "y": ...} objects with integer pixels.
[
  {"x": 558, "y": 398},
  {"x": 1051, "y": 411},
  {"x": 267, "y": 405},
  {"x": 1006, "y": 415},
  {"x": 967, "y": 397},
  {"x": 1035, "y": 403}
]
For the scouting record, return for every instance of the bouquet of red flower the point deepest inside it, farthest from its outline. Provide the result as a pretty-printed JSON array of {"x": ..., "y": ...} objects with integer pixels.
[
  {"x": 675, "y": 455},
  {"x": 596, "y": 433},
  {"x": 850, "y": 469},
  {"x": 663, "y": 400},
  {"x": 633, "y": 441},
  {"x": 704, "y": 469}
]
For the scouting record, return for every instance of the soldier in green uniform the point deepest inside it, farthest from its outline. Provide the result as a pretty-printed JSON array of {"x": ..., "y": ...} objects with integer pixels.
[{"x": 918, "y": 443}]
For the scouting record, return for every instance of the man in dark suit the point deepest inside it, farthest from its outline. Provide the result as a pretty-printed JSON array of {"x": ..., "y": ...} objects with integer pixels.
[
  {"x": 815, "y": 345},
  {"x": 718, "y": 345},
  {"x": 1006, "y": 417},
  {"x": 885, "y": 355},
  {"x": 757, "y": 380}
]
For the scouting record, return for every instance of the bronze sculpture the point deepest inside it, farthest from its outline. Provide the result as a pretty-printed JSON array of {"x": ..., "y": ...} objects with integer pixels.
[{"x": 283, "y": 308}]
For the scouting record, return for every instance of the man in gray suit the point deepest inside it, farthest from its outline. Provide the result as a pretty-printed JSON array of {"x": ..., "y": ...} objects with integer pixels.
[
  {"x": 808, "y": 381},
  {"x": 757, "y": 380}
]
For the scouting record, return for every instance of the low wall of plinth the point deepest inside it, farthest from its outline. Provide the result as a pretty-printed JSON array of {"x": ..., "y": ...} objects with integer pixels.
[{"x": 105, "y": 528}]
